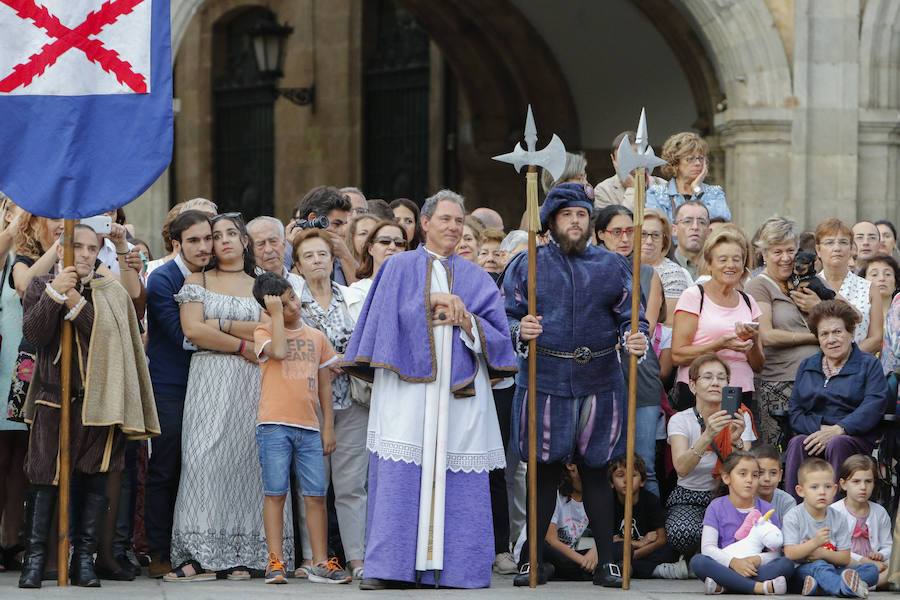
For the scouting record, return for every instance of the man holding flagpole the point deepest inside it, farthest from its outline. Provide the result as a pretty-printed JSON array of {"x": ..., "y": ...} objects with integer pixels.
[
  {"x": 432, "y": 334},
  {"x": 113, "y": 400},
  {"x": 583, "y": 312}
]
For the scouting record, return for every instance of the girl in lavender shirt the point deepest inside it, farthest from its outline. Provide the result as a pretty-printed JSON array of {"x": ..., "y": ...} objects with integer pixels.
[{"x": 765, "y": 573}]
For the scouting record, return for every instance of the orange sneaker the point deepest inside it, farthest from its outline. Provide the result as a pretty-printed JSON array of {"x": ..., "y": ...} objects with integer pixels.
[{"x": 275, "y": 570}]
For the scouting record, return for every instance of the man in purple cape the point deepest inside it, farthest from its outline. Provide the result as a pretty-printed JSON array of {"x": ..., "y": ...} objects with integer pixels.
[{"x": 432, "y": 334}]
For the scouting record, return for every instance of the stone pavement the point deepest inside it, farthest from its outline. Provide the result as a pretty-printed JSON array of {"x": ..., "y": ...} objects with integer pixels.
[{"x": 148, "y": 589}]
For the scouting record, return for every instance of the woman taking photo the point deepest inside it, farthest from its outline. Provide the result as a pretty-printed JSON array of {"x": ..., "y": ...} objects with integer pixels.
[
  {"x": 615, "y": 230},
  {"x": 716, "y": 316},
  {"x": 834, "y": 244},
  {"x": 839, "y": 395},
  {"x": 329, "y": 307},
  {"x": 218, "y": 523},
  {"x": 782, "y": 327},
  {"x": 13, "y": 436},
  {"x": 700, "y": 438}
]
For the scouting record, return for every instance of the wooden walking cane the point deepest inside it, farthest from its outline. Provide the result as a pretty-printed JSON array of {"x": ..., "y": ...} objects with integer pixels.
[
  {"x": 552, "y": 158},
  {"x": 65, "y": 411},
  {"x": 628, "y": 160}
]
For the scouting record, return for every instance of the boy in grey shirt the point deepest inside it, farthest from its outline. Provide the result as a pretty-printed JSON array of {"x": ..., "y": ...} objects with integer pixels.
[
  {"x": 769, "y": 477},
  {"x": 817, "y": 538}
]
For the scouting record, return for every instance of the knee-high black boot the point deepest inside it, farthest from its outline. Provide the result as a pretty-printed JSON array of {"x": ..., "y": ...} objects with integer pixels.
[
  {"x": 39, "y": 507},
  {"x": 85, "y": 540}
]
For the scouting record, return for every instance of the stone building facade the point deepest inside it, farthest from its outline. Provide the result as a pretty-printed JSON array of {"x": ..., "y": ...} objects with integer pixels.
[{"x": 799, "y": 99}]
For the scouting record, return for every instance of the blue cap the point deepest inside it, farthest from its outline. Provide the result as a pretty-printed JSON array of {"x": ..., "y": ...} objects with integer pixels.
[{"x": 564, "y": 195}]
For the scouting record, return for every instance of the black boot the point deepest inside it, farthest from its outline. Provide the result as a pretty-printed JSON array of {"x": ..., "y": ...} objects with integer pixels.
[
  {"x": 39, "y": 507},
  {"x": 608, "y": 575},
  {"x": 85, "y": 539}
]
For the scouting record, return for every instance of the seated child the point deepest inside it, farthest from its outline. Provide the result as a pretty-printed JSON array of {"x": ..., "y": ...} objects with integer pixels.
[
  {"x": 769, "y": 477},
  {"x": 869, "y": 523},
  {"x": 651, "y": 556},
  {"x": 763, "y": 573},
  {"x": 567, "y": 527},
  {"x": 296, "y": 385},
  {"x": 817, "y": 538}
]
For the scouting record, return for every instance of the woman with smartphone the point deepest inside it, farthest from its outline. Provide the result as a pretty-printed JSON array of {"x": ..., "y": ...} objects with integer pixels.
[
  {"x": 717, "y": 316},
  {"x": 701, "y": 437}
]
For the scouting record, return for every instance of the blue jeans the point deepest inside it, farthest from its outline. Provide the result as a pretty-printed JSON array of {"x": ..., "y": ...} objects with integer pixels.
[
  {"x": 282, "y": 447},
  {"x": 828, "y": 577},
  {"x": 704, "y": 566},
  {"x": 646, "y": 420}
]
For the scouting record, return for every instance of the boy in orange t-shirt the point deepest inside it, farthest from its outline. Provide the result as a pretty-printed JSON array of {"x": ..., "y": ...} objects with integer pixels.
[{"x": 295, "y": 379}]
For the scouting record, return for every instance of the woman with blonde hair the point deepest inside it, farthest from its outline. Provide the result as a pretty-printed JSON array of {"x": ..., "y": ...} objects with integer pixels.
[
  {"x": 716, "y": 316},
  {"x": 358, "y": 232},
  {"x": 687, "y": 165},
  {"x": 13, "y": 435}
]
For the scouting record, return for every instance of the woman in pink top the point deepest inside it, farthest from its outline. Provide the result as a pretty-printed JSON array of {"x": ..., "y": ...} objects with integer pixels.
[{"x": 717, "y": 316}]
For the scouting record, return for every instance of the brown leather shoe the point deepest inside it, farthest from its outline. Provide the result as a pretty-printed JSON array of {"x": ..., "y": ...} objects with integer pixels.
[{"x": 158, "y": 568}]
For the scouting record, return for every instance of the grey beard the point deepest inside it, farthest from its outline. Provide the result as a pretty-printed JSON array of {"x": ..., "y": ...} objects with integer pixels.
[{"x": 569, "y": 246}]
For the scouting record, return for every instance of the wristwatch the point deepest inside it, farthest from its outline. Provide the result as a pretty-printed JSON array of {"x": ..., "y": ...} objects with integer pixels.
[
  {"x": 741, "y": 444},
  {"x": 697, "y": 190}
]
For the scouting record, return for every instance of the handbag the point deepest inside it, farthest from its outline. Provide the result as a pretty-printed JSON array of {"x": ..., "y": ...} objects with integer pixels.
[{"x": 360, "y": 391}]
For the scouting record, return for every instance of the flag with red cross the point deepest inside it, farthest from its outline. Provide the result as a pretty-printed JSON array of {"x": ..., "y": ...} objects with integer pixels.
[{"x": 85, "y": 102}]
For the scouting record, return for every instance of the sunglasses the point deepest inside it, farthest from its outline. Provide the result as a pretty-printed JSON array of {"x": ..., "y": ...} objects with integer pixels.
[
  {"x": 386, "y": 241},
  {"x": 228, "y": 215}
]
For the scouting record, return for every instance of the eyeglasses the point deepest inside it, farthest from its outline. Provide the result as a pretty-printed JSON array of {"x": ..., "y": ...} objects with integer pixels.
[
  {"x": 843, "y": 242},
  {"x": 693, "y": 159},
  {"x": 619, "y": 231},
  {"x": 708, "y": 378},
  {"x": 386, "y": 241},
  {"x": 228, "y": 215},
  {"x": 654, "y": 235},
  {"x": 688, "y": 221},
  {"x": 359, "y": 210}
]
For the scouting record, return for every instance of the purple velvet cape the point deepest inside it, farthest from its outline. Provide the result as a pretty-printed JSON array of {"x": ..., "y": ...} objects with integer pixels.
[{"x": 394, "y": 329}]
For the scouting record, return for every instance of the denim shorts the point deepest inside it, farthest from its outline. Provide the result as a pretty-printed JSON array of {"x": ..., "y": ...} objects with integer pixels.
[{"x": 281, "y": 447}]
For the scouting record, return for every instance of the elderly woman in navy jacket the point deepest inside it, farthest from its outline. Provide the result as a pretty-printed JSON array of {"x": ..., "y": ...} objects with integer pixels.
[{"x": 839, "y": 394}]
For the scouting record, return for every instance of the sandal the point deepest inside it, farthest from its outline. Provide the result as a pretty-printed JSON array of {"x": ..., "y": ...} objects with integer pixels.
[
  {"x": 198, "y": 574},
  {"x": 237, "y": 574}
]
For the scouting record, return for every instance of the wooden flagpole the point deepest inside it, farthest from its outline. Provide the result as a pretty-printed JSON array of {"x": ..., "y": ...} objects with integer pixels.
[
  {"x": 639, "y": 194},
  {"x": 65, "y": 409}
]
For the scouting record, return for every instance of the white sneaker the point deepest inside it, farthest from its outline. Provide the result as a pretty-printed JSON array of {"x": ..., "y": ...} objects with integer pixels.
[
  {"x": 505, "y": 565},
  {"x": 675, "y": 570}
]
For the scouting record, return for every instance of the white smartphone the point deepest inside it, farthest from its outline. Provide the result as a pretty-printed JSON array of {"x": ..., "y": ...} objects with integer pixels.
[{"x": 101, "y": 224}]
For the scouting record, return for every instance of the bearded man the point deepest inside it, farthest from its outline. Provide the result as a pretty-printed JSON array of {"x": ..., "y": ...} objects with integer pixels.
[{"x": 583, "y": 312}]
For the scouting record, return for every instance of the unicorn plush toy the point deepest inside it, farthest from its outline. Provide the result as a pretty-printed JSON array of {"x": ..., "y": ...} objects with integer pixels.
[{"x": 757, "y": 535}]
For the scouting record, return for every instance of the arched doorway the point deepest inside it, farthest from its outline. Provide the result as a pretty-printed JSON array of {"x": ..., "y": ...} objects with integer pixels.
[{"x": 243, "y": 118}]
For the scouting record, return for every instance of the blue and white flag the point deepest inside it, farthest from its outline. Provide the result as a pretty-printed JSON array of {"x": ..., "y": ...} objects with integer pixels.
[{"x": 85, "y": 103}]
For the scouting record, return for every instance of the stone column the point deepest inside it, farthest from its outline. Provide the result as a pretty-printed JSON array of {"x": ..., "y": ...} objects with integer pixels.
[
  {"x": 824, "y": 141},
  {"x": 879, "y": 155},
  {"x": 755, "y": 143}
]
